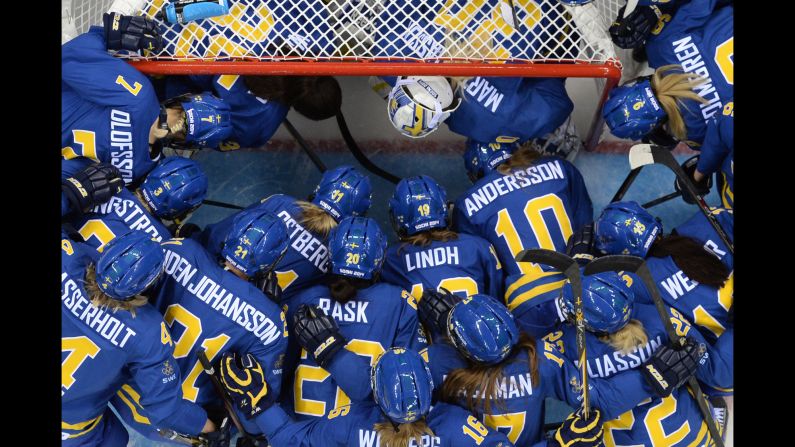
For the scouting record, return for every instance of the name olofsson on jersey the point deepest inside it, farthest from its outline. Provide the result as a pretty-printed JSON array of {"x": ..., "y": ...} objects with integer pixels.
[
  {"x": 369, "y": 438},
  {"x": 121, "y": 143},
  {"x": 609, "y": 364},
  {"x": 431, "y": 258},
  {"x": 137, "y": 219},
  {"x": 305, "y": 243},
  {"x": 100, "y": 321},
  {"x": 690, "y": 58},
  {"x": 220, "y": 300},
  {"x": 532, "y": 175}
]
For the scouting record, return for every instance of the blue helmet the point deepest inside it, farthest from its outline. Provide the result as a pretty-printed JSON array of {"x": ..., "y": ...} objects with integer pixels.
[
  {"x": 418, "y": 204},
  {"x": 256, "y": 242},
  {"x": 174, "y": 186},
  {"x": 343, "y": 192},
  {"x": 632, "y": 111},
  {"x": 129, "y": 264},
  {"x": 625, "y": 228},
  {"x": 356, "y": 248},
  {"x": 482, "y": 158},
  {"x": 606, "y": 302},
  {"x": 402, "y": 385},
  {"x": 482, "y": 329},
  {"x": 208, "y": 120}
]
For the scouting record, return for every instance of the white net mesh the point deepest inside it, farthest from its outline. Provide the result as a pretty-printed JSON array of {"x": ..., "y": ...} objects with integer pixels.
[{"x": 430, "y": 30}]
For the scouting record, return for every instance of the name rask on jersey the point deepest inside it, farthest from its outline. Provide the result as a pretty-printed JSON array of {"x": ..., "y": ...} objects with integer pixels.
[
  {"x": 692, "y": 62},
  {"x": 351, "y": 312},
  {"x": 136, "y": 220},
  {"x": 302, "y": 241},
  {"x": 225, "y": 303},
  {"x": 369, "y": 438},
  {"x": 431, "y": 258},
  {"x": 121, "y": 143},
  {"x": 678, "y": 284},
  {"x": 609, "y": 364},
  {"x": 483, "y": 92},
  {"x": 476, "y": 201},
  {"x": 100, "y": 321}
]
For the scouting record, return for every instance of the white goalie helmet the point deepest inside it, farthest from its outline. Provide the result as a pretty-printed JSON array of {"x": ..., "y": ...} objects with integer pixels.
[{"x": 417, "y": 105}]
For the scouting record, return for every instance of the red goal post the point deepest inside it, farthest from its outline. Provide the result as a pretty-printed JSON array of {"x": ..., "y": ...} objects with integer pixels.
[{"x": 522, "y": 38}]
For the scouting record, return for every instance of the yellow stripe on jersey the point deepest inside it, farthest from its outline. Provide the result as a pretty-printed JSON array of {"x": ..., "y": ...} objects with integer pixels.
[
  {"x": 86, "y": 426},
  {"x": 526, "y": 279},
  {"x": 534, "y": 292},
  {"x": 133, "y": 406}
]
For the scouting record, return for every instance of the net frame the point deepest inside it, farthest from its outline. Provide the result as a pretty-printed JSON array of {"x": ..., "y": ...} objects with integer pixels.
[{"x": 590, "y": 53}]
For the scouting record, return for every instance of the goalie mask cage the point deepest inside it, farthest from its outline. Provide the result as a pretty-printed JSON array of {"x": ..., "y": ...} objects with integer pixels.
[{"x": 521, "y": 38}]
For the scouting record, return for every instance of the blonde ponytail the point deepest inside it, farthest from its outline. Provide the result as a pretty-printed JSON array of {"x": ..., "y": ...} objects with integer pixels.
[
  {"x": 628, "y": 338},
  {"x": 671, "y": 85},
  {"x": 404, "y": 433},
  {"x": 103, "y": 301},
  {"x": 315, "y": 220}
]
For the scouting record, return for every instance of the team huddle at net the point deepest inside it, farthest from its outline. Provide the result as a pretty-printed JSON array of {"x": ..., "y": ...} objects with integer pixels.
[{"x": 294, "y": 322}]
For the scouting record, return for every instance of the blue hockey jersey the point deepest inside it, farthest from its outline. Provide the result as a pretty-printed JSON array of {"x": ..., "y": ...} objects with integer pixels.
[
  {"x": 107, "y": 107},
  {"x": 353, "y": 425},
  {"x": 700, "y": 38},
  {"x": 717, "y": 152},
  {"x": 212, "y": 310},
  {"x": 102, "y": 351},
  {"x": 254, "y": 119},
  {"x": 377, "y": 318},
  {"x": 536, "y": 207},
  {"x": 306, "y": 259},
  {"x": 672, "y": 421}
]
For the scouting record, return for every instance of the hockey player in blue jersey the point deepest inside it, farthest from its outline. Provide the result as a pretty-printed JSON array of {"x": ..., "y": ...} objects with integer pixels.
[
  {"x": 429, "y": 254},
  {"x": 110, "y": 337},
  {"x": 717, "y": 154},
  {"x": 343, "y": 191},
  {"x": 521, "y": 200},
  {"x": 503, "y": 375},
  {"x": 109, "y": 110},
  {"x": 352, "y": 310},
  {"x": 399, "y": 414},
  {"x": 212, "y": 309},
  {"x": 175, "y": 187},
  {"x": 622, "y": 334},
  {"x": 259, "y": 104}
]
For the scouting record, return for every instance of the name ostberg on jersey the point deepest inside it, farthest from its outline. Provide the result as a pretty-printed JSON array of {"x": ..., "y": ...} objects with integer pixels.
[
  {"x": 431, "y": 258},
  {"x": 121, "y": 143},
  {"x": 100, "y": 321},
  {"x": 215, "y": 296},
  {"x": 692, "y": 62},
  {"x": 305, "y": 243},
  {"x": 120, "y": 207},
  {"x": 476, "y": 201}
]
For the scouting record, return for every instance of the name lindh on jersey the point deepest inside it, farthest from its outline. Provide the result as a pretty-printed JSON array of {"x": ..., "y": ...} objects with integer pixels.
[
  {"x": 121, "y": 143},
  {"x": 612, "y": 363},
  {"x": 305, "y": 243},
  {"x": 211, "y": 293},
  {"x": 431, "y": 258},
  {"x": 103, "y": 323},
  {"x": 690, "y": 58},
  {"x": 120, "y": 207},
  {"x": 532, "y": 175}
]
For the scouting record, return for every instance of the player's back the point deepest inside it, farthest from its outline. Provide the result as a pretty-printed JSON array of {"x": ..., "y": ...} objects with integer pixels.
[
  {"x": 464, "y": 266},
  {"x": 699, "y": 228},
  {"x": 377, "y": 318},
  {"x": 534, "y": 207},
  {"x": 210, "y": 309},
  {"x": 306, "y": 258}
]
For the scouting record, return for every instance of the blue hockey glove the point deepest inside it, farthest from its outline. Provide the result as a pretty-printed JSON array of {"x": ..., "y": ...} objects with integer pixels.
[
  {"x": 633, "y": 30},
  {"x": 671, "y": 366},
  {"x": 580, "y": 246},
  {"x": 91, "y": 186},
  {"x": 317, "y": 333},
  {"x": 131, "y": 33},
  {"x": 702, "y": 187}
]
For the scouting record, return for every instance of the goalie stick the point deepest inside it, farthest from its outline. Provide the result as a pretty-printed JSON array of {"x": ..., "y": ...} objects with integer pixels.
[
  {"x": 646, "y": 154},
  {"x": 571, "y": 269},
  {"x": 636, "y": 265},
  {"x": 301, "y": 142},
  {"x": 360, "y": 157}
]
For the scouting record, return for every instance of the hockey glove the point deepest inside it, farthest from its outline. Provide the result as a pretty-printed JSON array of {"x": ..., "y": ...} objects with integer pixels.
[
  {"x": 269, "y": 284},
  {"x": 91, "y": 186},
  {"x": 131, "y": 33},
  {"x": 671, "y": 366},
  {"x": 318, "y": 334},
  {"x": 578, "y": 432},
  {"x": 433, "y": 309},
  {"x": 244, "y": 380},
  {"x": 702, "y": 187},
  {"x": 633, "y": 30},
  {"x": 222, "y": 437},
  {"x": 581, "y": 245}
]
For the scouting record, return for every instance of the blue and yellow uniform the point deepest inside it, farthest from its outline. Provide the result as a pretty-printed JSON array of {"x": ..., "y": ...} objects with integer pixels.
[
  {"x": 306, "y": 260},
  {"x": 464, "y": 266},
  {"x": 521, "y": 417},
  {"x": 536, "y": 207},
  {"x": 673, "y": 421},
  {"x": 700, "y": 38},
  {"x": 254, "y": 119},
  {"x": 353, "y": 425},
  {"x": 102, "y": 350},
  {"x": 377, "y": 318},
  {"x": 210, "y": 309},
  {"x": 107, "y": 107},
  {"x": 717, "y": 152}
]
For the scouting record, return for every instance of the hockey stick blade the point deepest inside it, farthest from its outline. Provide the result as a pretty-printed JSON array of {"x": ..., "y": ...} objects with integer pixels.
[
  {"x": 640, "y": 155},
  {"x": 543, "y": 256},
  {"x": 613, "y": 263}
]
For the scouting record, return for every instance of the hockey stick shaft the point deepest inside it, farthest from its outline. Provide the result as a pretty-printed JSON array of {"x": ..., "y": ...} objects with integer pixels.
[
  {"x": 359, "y": 155},
  {"x": 222, "y": 204},
  {"x": 219, "y": 389},
  {"x": 179, "y": 438},
  {"x": 633, "y": 174},
  {"x": 301, "y": 142},
  {"x": 662, "y": 199}
]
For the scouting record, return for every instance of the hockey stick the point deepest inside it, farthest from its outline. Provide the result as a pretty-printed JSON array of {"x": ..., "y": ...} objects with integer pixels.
[
  {"x": 571, "y": 269},
  {"x": 179, "y": 438},
  {"x": 638, "y": 266},
  {"x": 633, "y": 174},
  {"x": 631, "y": 5},
  {"x": 301, "y": 142},
  {"x": 219, "y": 389},
  {"x": 222, "y": 204},
  {"x": 644, "y": 154},
  {"x": 662, "y": 199},
  {"x": 354, "y": 148}
]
